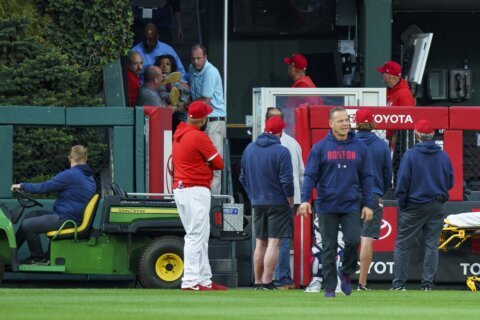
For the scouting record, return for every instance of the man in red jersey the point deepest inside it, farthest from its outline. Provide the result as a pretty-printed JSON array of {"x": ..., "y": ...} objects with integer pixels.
[
  {"x": 194, "y": 159},
  {"x": 398, "y": 93},
  {"x": 297, "y": 68},
  {"x": 398, "y": 90}
]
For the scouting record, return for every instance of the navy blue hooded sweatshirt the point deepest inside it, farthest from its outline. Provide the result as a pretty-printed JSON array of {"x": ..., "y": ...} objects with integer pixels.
[
  {"x": 74, "y": 187},
  {"x": 425, "y": 172},
  {"x": 267, "y": 172},
  {"x": 381, "y": 161},
  {"x": 340, "y": 171}
]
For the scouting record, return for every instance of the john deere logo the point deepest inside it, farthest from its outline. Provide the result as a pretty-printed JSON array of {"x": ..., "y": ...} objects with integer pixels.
[{"x": 143, "y": 210}]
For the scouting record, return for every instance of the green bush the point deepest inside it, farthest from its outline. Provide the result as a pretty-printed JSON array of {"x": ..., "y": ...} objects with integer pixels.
[
  {"x": 36, "y": 73},
  {"x": 52, "y": 53},
  {"x": 91, "y": 32}
]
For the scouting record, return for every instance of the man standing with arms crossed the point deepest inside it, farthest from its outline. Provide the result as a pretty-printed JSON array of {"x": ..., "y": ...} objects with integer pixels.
[
  {"x": 267, "y": 176},
  {"x": 283, "y": 274},
  {"x": 339, "y": 168},
  {"x": 206, "y": 85},
  {"x": 381, "y": 162},
  {"x": 194, "y": 158},
  {"x": 424, "y": 178}
]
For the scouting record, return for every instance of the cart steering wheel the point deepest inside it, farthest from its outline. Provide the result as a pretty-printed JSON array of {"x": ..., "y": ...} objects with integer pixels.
[{"x": 25, "y": 200}]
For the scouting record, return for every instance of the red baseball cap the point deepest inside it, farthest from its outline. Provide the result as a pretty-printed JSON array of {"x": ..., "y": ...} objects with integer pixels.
[
  {"x": 274, "y": 125},
  {"x": 297, "y": 61},
  {"x": 364, "y": 116},
  {"x": 391, "y": 67},
  {"x": 199, "y": 109},
  {"x": 424, "y": 126}
]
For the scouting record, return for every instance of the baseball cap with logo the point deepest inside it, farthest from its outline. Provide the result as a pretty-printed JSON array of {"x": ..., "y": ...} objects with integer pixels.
[
  {"x": 297, "y": 60},
  {"x": 364, "y": 116},
  {"x": 424, "y": 126},
  {"x": 274, "y": 125},
  {"x": 391, "y": 67},
  {"x": 198, "y": 109}
]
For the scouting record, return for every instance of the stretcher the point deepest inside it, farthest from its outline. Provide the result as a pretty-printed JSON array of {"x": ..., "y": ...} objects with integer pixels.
[
  {"x": 473, "y": 283},
  {"x": 458, "y": 229}
]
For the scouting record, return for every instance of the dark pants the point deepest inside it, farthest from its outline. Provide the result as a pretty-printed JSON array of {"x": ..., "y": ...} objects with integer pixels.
[
  {"x": 429, "y": 219},
  {"x": 35, "y": 223},
  {"x": 283, "y": 273},
  {"x": 351, "y": 227}
]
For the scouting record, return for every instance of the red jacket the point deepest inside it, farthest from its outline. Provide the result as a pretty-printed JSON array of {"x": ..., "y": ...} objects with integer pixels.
[
  {"x": 133, "y": 88},
  {"x": 400, "y": 95},
  {"x": 194, "y": 157},
  {"x": 305, "y": 82}
]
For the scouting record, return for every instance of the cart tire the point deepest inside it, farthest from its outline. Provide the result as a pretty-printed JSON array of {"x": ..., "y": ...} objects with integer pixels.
[
  {"x": 161, "y": 263},
  {"x": 2, "y": 269}
]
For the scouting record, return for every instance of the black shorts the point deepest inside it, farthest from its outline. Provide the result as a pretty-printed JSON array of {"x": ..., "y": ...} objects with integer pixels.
[
  {"x": 371, "y": 229},
  {"x": 273, "y": 221}
]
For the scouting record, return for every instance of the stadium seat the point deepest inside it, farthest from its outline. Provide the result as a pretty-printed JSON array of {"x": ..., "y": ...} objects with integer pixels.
[{"x": 77, "y": 232}]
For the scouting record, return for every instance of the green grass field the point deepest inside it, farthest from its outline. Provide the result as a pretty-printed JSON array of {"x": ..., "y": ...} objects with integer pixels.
[{"x": 92, "y": 304}]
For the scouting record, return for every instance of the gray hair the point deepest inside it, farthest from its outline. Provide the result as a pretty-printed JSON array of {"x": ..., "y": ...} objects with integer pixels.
[
  {"x": 425, "y": 136},
  {"x": 270, "y": 110},
  {"x": 333, "y": 110}
]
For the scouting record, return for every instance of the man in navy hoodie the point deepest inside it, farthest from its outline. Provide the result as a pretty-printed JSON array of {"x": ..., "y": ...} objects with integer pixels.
[
  {"x": 381, "y": 162},
  {"x": 339, "y": 168},
  {"x": 75, "y": 187},
  {"x": 424, "y": 178},
  {"x": 267, "y": 177}
]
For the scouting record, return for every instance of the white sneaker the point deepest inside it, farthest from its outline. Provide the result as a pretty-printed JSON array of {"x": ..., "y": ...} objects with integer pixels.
[
  {"x": 314, "y": 286},
  {"x": 338, "y": 289}
]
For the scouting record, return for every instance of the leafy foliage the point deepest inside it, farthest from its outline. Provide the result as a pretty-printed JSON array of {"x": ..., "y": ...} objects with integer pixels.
[
  {"x": 37, "y": 160},
  {"x": 92, "y": 32},
  {"x": 52, "y": 53}
]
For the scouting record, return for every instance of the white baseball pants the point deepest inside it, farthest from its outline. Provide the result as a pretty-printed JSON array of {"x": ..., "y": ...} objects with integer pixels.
[{"x": 194, "y": 208}]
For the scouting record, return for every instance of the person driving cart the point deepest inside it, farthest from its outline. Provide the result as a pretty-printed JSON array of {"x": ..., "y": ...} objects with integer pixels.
[{"x": 74, "y": 186}]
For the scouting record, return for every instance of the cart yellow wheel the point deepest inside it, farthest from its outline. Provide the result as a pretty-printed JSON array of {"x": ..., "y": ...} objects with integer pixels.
[
  {"x": 160, "y": 264},
  {"x": 169, "y": 267}
]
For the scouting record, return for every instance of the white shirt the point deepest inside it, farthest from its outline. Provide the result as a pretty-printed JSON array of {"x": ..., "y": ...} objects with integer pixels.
[{"x": 297, "y": 164}]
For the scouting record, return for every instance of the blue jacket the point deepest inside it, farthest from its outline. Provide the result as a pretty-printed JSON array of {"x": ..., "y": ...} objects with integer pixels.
[
  {"x": 425, "y": 173},
  {"x": 381, "y": 161},
  {"x": 74, "y": 187},
  {"x": 267, "y": 173},
  {"x": 340, "y": 171}
]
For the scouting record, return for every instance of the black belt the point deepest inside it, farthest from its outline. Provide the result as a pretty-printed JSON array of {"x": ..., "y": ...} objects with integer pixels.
[{"x": 210, "y": 119}]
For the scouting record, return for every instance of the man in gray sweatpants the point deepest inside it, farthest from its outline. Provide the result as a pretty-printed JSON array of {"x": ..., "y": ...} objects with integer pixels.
[{"x": 424, "y": 178}]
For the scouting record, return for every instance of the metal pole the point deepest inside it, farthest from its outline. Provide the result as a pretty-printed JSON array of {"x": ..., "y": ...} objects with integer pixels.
[{"x": 225, "y": 51}]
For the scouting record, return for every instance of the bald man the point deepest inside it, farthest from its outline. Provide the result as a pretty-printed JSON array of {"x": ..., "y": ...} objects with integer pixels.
[
  {"x": 151, "y": 48},
  {"x": 135, "y": 68},
  {"x": 148, "y": 95}
]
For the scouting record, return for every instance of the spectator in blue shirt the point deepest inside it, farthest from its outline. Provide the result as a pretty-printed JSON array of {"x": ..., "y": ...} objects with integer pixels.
[
  {"x": 161, "y": 16},
  {"x": 206, "y": 85},
  {"x": 151, "y": 48}
]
